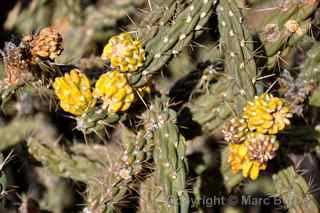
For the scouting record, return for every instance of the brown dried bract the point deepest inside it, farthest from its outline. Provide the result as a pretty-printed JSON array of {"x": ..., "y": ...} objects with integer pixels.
[{"x": 15, "y": 63}]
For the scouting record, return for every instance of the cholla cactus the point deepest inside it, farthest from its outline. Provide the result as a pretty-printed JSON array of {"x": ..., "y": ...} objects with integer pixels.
[
  {"x": 170, "y": 149},
  {"x": 113, "y": 88},
  {"x": 124, "y": 52},
  {"x": 74, "y": 92},
  {"x": 267, "y": 114}
]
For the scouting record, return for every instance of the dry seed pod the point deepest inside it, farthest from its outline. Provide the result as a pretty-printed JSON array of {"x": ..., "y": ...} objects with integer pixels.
[{"x": 47, "y": 44}]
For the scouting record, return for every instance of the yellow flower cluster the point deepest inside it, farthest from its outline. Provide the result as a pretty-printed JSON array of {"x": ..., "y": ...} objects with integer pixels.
[
  {"x": 252, "y": 140},
  {"x": 112, "y": 87},
  {"x": 238, "y": 158},
  {"x": 74, "y": 93},
  {"x": 115, "y": 91},
  {"x": 267, "y": 114},
  {"x": 124, "y": 53}
]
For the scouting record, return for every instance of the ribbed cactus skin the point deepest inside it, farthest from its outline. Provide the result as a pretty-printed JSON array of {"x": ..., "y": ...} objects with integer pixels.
[
  {"x": 96, "y": 119},
  {"x": 127, "y": 171},
  {"x": 293, "y": 11},
  {"x": 169, "y": 158},
  {"x": 295, "y": 191},
  {"x": 305, "y": 84},
  {"x": 231, "y": 92},
  {"x": 172, "y": 38},
  {"x": 17, "y": 131},
  {"x": 63, "y": 164},
  {"x": 310, "y": 75}
]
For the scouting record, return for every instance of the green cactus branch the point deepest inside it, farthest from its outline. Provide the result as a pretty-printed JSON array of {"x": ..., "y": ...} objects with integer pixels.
[
  {"x": 295, "y": 191},
  {"x": 129, "y": 169},
  {"x": 169, "y": 158},
  {"x": 172, "y": 37},
  {"x": 16, "y": 131},
  {"x": 306, "y": 83},
  {"x": 230, "y": 93},
  {"x": 310, "y": 74},
  {"x": 276, "y": 32},
  {"x": 198, "y": 63},
  {"x": 63, "y": 164},
  {"x": 96, "y": 119},
  {"x": 238, "y": 45}
]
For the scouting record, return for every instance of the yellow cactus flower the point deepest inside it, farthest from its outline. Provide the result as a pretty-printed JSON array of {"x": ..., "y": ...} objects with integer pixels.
[
  {"x": 74, "y": 93},
  {"x": 237, "y": 155},
  {"x": 239, "y": 160},
  {"x": 235, "y": 131},
  {"x": 267, "y": 114},
  {"x": 115, "y": 91},
  {"x": 251, "y": 168},
  {"x": 124, "y": 52}
]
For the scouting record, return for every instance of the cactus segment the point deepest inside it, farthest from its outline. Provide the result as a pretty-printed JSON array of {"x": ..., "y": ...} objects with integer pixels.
[
  {"x": 128, "y": 171},
  {"x": 295, "y": 191},
  {"x": 96, "y": 119},
  {"x": 61, "y": 163},
  {"x": 298, "y": 89},
  {"x": 169, "y": 158},
  {"x": 230, "y": 93},
  {"x": 16, "y": 131},
  {"x": 288, "y": 28},
  {"x": 171, "y": 39}
]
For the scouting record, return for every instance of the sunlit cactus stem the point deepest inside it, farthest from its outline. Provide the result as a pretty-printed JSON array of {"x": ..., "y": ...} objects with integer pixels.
[{"x": 169, "y": 158}]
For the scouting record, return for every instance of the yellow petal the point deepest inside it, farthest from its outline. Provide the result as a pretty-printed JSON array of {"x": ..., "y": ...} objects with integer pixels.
[
  {"x": 267, "y": 124},
  {"x": 75, "y": 76},
  {"x": 125, "y": 106},
  {"x": 242, "y": 150},
  {"x": 116, "y": 107},
  {"x": 254, "y": 172},
  {"x": 246, "y": 168}
]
